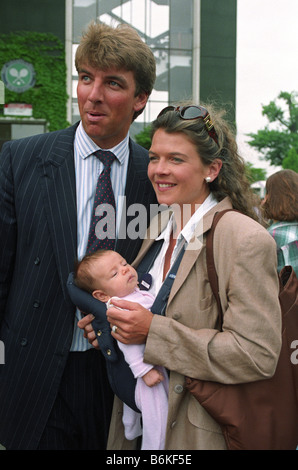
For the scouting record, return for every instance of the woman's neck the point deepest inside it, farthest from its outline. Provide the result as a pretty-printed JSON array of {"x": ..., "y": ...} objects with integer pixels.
[{"x": 183, "y": 213}]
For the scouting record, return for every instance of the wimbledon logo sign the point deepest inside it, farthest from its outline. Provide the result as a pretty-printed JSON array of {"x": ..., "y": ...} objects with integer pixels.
[{"x": 18, "y": 75}]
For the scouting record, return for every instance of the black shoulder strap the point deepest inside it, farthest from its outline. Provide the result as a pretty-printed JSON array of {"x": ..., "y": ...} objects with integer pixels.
[
  {"x": 160, "y": 303},
  {"x": 146, "y": 263}
]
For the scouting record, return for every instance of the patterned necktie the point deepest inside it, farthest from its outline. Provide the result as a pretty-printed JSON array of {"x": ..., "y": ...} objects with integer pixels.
[{"x": 103, "y": 221}]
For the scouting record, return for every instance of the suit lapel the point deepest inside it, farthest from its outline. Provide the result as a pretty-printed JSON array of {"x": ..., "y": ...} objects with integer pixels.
[{"x": 59, "y": 195}]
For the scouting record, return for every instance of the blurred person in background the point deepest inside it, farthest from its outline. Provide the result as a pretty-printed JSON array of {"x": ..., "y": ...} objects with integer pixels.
[{"x": 280, "y": 208}]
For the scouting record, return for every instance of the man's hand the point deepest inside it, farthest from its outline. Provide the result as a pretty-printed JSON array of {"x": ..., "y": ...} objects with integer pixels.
[{"x": 89, "y": 333}]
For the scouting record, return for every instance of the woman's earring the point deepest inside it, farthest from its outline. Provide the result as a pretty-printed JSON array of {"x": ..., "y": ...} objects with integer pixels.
[{"x": 208, "y": 179}]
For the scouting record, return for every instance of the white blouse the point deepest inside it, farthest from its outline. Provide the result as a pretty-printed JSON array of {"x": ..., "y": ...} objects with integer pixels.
[{"x": 185, "y": 235}]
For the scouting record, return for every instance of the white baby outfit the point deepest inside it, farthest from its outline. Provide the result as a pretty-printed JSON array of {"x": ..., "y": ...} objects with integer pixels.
[{"x": 151, "y": 401}]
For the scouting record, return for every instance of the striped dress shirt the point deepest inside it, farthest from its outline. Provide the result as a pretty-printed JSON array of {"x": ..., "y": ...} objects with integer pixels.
[{"x": 87, "y": 169}]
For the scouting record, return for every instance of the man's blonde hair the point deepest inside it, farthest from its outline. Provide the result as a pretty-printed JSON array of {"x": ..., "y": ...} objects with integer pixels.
[{"x": 104, "y": 47}]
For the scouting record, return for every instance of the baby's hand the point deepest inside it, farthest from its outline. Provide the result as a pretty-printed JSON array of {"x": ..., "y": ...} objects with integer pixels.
[
  {"x": 110, "y": 304},
  {"x": 153, "y": 377}
]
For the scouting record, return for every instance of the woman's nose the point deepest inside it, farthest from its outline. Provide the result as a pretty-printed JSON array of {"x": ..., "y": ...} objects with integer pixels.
[{"x": 162, "y": 168}]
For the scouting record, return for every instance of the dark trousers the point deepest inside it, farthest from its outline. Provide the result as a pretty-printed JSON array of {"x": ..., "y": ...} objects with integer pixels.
[{"x": 81, "y": 414}]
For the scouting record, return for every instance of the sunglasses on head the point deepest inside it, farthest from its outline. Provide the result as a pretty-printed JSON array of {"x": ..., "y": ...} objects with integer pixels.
[{"x": 193, "y": 112}]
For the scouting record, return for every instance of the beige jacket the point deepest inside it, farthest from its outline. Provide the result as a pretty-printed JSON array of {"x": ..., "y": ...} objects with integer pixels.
[{"x": 186, "y": 340}]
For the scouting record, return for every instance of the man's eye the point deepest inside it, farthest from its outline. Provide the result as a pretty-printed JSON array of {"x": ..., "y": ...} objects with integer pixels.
[
  {"x": 85, "y": 78},
  {"x": 114, "y": 84}
]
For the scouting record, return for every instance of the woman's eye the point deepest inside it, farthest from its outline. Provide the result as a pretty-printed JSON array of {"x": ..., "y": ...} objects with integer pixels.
[{"x": 177, "y": 160}]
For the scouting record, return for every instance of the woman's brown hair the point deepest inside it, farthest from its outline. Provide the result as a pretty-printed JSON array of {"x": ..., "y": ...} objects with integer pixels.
[
  {"x": 232, "y": 180},
  {"x": 281, "y": 201}
]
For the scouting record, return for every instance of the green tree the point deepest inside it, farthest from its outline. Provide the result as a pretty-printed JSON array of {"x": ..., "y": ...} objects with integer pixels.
[
  {"x": 255, "y": 174},
  {"x": 143, "y": 138},
  {"x": 290, "y": 162},
  {"x": 47, "y": 55},
  {"x": 278, "y": 142}
]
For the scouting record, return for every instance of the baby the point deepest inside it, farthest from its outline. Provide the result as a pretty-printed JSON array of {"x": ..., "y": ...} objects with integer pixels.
[{"x": 105, "y": 274}]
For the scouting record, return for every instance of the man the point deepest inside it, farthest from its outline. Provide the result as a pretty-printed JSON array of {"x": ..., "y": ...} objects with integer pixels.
[{"x": 54, "y": 392}]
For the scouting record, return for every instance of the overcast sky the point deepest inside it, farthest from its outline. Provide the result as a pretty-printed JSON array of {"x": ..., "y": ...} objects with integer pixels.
[{"x": 267, "y": 63}]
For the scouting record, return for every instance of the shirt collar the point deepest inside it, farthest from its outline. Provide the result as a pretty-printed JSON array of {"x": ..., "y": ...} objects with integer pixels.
[
  {"x": 188, "y": 230},
  {"x": 86, "y": 147}
]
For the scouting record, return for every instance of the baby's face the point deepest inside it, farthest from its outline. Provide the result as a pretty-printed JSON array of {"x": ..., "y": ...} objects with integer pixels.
[{"x": 114, "y": 276}]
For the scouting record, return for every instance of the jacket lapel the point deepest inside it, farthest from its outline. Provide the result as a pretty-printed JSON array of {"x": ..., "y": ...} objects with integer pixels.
[
  {"x": 59, "y": 195},
  {"x": 189, "y": 258},
  {"x": 192, "y": 252},
  {"x": 195, "y": 246}
]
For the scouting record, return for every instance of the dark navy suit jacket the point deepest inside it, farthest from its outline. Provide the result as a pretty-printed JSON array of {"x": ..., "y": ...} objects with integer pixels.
[{"x": 38, "y": 246}]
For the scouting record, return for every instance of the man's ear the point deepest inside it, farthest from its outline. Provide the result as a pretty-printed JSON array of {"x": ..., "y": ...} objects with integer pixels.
[
  {"x": 141, "y": 101},
  {"x": 100, "y": 295}
]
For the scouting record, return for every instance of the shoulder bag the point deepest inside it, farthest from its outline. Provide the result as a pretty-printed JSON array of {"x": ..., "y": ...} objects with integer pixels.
[{"x": 261, "y": 415}]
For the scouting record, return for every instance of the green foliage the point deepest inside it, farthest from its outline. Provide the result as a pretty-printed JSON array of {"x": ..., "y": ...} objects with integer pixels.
[
  {"x": 47, "y": 55},
  {"x": 290, "y": 162},
  {"x": 143, "y": 138},
  {"x": 277, "y": 143},
  {"x": 255, "y": 174}
]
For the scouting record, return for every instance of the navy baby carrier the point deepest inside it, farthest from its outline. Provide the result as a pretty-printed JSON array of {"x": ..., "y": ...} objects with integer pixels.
[{"x": 119, "y": 373}]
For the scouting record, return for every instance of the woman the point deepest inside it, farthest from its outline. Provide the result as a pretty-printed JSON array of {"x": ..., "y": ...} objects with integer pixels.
[
  {"x": 195, "y": 168},
  {"x": 280, "y": 206}
]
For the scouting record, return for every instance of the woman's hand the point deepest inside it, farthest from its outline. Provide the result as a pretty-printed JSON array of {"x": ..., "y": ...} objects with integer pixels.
[{"x": 131, "y": 324}]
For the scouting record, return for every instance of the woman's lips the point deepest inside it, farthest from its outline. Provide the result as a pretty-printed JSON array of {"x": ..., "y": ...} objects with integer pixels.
[{"x": 164, "y": 186}]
